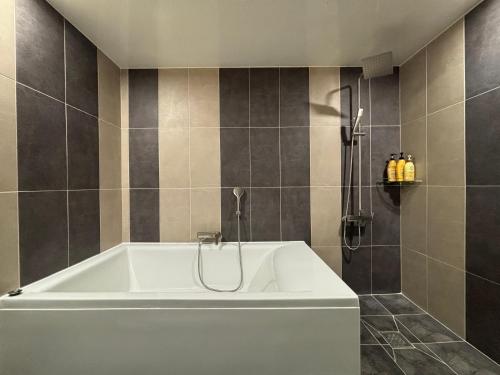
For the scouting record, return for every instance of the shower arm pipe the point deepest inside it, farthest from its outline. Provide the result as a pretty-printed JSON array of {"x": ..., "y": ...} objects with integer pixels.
[{"x": 359, "y": 145}]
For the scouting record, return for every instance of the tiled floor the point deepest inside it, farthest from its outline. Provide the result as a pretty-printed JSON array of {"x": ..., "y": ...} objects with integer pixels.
[{"x": 398, "y": 338}]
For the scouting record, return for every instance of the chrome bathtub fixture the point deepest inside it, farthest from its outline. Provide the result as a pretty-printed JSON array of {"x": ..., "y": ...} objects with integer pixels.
[
  {"x": 373, "y": 66},
  {"x": 213, "y": 237}
]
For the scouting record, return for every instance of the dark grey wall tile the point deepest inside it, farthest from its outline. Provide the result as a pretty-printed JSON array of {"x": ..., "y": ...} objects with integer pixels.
[
  {"x": 482, "y": 48},
  {"x": 265, "y": 208},
  {"x": 144, "y": 215},
  {"x": 345, "y": 134},
  {"x": 295, "y": 156},
  {"x": 482, "y": 131},
  {"x": 294, "y": 96},
  {"x": 41, "y": 134},
  {"x": 234, "y": 96},
  {"x": 385, "y": 99},
  {"x": 264, "y": 97},
  {"x": 386, "y": 269},
  {"x": 43, "y": 234},
  {"x": 356, "y": 269},
  {"x": 84, "y": 232},
  {"x": 384, "y": 142},
  {"x": 143, "y": 98},
  {"x": 296, "y": 214},
  {"x": 229, "y": 220},
  {"x": 349, "y": 95},
  {"x": 483, "y": 310},
  {"x": 265, "y": 163},
  {"x": 385, "y": 206},
  {"x": 235, "y": 157},
  {"x": 143, "y": 158},
  {"x": 40, "y": 47},
  {"x": 83, "y": 150},
  {"x": 352, "y": 232},
  {"x": 81, "y": 71},
  {"x": 482, "y": 234}
]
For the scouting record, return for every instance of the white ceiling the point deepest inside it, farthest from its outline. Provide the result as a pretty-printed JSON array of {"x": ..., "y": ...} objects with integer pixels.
[{"x": 198, "y": 33}]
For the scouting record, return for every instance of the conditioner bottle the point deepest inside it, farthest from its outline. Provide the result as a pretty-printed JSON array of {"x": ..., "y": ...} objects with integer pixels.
[
  {"x": 400, "y": 168},
  {"x": 409, "y": 170},
  {"x": 391, "y": 169}
]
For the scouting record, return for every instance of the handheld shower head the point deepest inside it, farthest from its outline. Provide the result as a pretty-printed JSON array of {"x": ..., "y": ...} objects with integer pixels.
[{"x": 238, "y": 193}]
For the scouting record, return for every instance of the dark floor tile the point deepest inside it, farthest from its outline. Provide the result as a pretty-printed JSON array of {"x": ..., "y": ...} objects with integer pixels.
[
  {"x": 229, "y": 220},
  {"x": 385, "y": 141},
  {"x": 386, "y": 218},
  {"x": 415, "y": 362},
  {"x": 378, "y": 336},
  {"x": 43, "y": 234},
  {"x": 352, "y": 231},
  {"x": 375, "y": 361},
  {"x": 482, "y": 48},
  {"x": 483, "y": 310},
  {"x": 40, "y": 47},
  {"x": 265, "y": 164},
  {"x": 396, "y": 340},
  {"x": 370, "y": 306},
  {"x": 349, "y": 95},
  {"x": 83, "y": 150},
  {"x": 295, "y": 158},
  {"x": 465, "y": 359},
  {"x": 143, "y": 159},
  {"x": 264, "y": 97},
  {"x": 406, "y": 332},
  {"x": 265, "y": 206},
  {"x": 398, "y": 304},
  {"x": 356, "y": 269},
  {"x": 482, "y": 131},
  {"x": 235, "y": 157},
  {"x": 296, "y": 214},
  {"x": 144, "y": 215},
  {"x": 81, "y": 71},
  {"x": 366, "y": 337},
  {"x": 482, "y": 234},
  {"x": 382, "y": 323},
  {"x": 294, "y": 96},
  {"x": 234, "y": 96},
  {"x": 143, "y": 98},
  {"x": 386, "y": 269},
  {"x": 41, "y": 137},
  {"x": 384, "y": 95},
  {"x": 425, "y": 349},
  {"x": 345, "y": 156},
  {"x": 427, "y": 329},
  {"x": 84, "y": 219}
]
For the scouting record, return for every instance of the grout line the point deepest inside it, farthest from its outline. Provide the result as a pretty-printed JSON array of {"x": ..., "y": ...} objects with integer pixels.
[
  {"x": 66, "y": 139},
  {"x": 482, "y": 93},
  {"x": 279, "y": 149},
  {"x": 250, "y": 155},
  {"x": 189, "y": 152},
  {"x": 18, "y": 215},
  {"x": 426, "y": 182},
  {"x": 465, "y": 190}
]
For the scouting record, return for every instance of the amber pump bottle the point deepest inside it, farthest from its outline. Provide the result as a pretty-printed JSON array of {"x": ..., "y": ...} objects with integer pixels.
[
  {"x": 391, "y": 169},
  {"x": 400, "y": 168}
]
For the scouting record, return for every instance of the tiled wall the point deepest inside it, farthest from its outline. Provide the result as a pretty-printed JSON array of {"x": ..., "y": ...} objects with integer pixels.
[
  {"x": 60, "y": 189},
  {"x": 450, "y": 109},
  {"x": 194, "y": 134}
]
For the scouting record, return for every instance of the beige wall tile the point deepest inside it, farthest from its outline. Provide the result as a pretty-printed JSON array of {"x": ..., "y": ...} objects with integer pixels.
[
  {"x": 332, "y": 256},
  {"x": 414, "y": 141},
  {"x": 325, "y": 146},
  {"x": 412, "y": 81},
  {"x": 204, "y": 97},
  {"x": 205, "y": 157},
  {"x": 174, "y": 215},
  {"x": 125, "y": 215},
  {"x": 173, "y": 108},
  {"x": 324, "y": 96},
  {"x": 414, "y": 218},
  {"x": 125, "y": 158},
  {"x": 109, "y": 156},
  {"x": 174, "y": 157},
  {"x": 446, "y": 147},
  {"x": 8, "y": 135},
  {"x": 325, "y": 216},
  {"x": 414, "y": 276},
  {"x": 446, "y": 225},
  {"x": 109, "y": 89},
  {"x": 124, "y": 98},
  {"x": 110, "y": 205},
  {"x": 205, "y": 211},
  {"x": 7, "y": 38},
  {"x": 447, "y": 296},
  {"x": 9, "y": 251},
  {"x": 445, "y": 69}
]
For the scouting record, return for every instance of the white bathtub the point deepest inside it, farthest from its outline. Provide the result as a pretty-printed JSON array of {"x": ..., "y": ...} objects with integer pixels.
[{"x": 140, "y": 309}]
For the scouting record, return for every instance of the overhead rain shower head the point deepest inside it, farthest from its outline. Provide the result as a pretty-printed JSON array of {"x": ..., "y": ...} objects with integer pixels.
[{"x": 377, "y": 66}]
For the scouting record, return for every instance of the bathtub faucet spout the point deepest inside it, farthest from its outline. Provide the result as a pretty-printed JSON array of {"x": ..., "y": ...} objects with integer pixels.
[{"x": 209, "y": 237}]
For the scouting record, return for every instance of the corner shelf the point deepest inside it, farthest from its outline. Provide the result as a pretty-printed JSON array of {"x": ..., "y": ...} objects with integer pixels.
[{"x": 399, "y": 183}]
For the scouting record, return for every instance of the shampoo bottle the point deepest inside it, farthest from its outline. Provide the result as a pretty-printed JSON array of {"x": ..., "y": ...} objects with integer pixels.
[
  {"x": 400, "y": 168},
  {"x": 391, "y": 169},
  {"x": 409, "y": 170}
]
